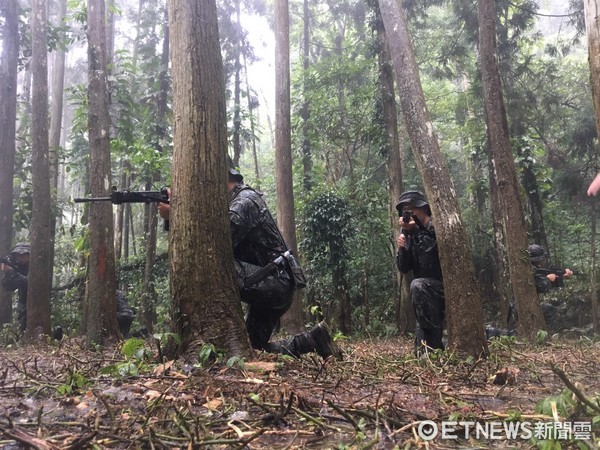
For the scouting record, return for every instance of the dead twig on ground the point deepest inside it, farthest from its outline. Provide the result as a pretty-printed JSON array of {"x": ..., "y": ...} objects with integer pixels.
[{"x": 563, "y": 376}]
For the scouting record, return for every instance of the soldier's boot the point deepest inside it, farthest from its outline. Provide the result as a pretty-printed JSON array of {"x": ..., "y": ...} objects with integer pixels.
[
  {"x": 322, "y": 342},
  {"x": 433, "y": 337},
  {"x": 316, "y": 340}
]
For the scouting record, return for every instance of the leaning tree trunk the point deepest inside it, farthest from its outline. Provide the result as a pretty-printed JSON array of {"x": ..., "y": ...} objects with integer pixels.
[
  {"x": 521, "y": 276},
  {"x": 8, "y": 118},
  {"x": 100, "y": 321},
  {"x": 284, "y": 179},
  {"x": 203, "y": 286},
  {"x": 40, "y": 233},
  {"x": 465, "y": 332}
]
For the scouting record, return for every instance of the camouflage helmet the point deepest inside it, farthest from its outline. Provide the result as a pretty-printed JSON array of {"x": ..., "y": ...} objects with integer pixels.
[
  {"x": 536, "y": 253},
  {"x": 236, "y": 175},
  {"x": 415, "y": 198},
  {"x": 21, "y": 248}
]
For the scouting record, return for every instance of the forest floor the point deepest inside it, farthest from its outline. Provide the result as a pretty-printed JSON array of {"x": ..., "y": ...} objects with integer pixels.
[{"x": 379, "y": 396}]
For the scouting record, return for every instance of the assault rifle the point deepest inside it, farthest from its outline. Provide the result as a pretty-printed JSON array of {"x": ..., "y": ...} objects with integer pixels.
[
  {"x": 556, "y": 271},
  {"x": 126, "y": 196},
  {"x": 8, "y": 262},
  {"x": 406, "y": 216}
]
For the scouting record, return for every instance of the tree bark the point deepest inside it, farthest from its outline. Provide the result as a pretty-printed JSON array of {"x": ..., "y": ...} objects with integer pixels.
[
  {"x": 405, "y": 314},
  {"x": 237, "y": 89},
  {"x": 99, "y": 322},
  {"x": 307, "y": 163},
  {"x": 521, "y": 276},
  {"x": 465, "y": 332},
  {"x": 284, "y": 181},
  {"x": 40, "y": 236},
  {"x": 203, "y": 286},
  {"x": 592, "y": 25},
  {"x": 56, "y": 119},
  {"x": 148, "y": 318},
  {"x": 8, "y": 118}
]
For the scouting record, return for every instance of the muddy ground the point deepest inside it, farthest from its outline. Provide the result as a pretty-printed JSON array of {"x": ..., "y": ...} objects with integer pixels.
[{"x": 379, "y": 396}]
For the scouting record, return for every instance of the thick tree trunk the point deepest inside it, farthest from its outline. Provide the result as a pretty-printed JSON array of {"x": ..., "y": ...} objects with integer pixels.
[
  {"x": 203, "y": 286},
  {"x": 99, "y": 322},
  {"x": 521, "y": 276},
  {"x": 284, "y": 182},
  {"x": 8, "y": 117},
  {"x": 465, "y": 332},
  {"x": 40, "y": 236}
]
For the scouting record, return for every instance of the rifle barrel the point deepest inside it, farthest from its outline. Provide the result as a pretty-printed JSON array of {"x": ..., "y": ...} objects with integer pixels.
[{"x": 92, "y": 199}]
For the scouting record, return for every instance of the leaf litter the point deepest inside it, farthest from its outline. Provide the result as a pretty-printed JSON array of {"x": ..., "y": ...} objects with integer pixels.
[{"x": 59, "y": 397}]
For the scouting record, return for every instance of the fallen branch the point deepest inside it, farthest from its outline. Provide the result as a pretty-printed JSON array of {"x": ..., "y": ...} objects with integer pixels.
[
  {"x": 25, "y": 438},
  {"x": 582, "y": 398}
]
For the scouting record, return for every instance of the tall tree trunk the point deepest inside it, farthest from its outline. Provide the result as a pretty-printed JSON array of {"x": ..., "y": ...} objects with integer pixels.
[
  {"x": 500, "y": 266},
  {"x": 465, "y": 332},
  {"x": 237, "y": 88},
  {"x": 592, "y": 25},
  {"x": 284, "y": 181},
  {"x": 40, "y": 262},
  {"x": 56, "y": 118},
  {"x": 99, "y": 322},
  {"x": 203, "y": 286},
  {"x": 252, "y": 105},
  {"x": 594, "y": 283},
  {"x": 521, "y": 276},
  {"x": 305, "y": 111},
  {"x": 405, "y": 314},
  {"x": 148, "y": 292},
  {"x": 530, "y": 184},
  {"x": 8, "y": 118}
]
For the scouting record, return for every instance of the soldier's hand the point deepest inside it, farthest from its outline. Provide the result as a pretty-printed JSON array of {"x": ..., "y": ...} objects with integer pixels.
[
  {"x": 164, "y": 209},
  {"x": 401, "y": 240},
  {"x": 5, "y": 268},
  {"x": 568, "y": 273},
  {"x": 552, "y": 277}
]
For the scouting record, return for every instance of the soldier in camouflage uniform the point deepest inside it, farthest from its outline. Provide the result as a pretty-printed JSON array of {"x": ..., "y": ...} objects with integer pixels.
[
  {"x": 544, "y": 282},
  {"x": 418, "y": 251},
  {"x": 257, "y": 242},
  {"x": 15, "y": 279}
]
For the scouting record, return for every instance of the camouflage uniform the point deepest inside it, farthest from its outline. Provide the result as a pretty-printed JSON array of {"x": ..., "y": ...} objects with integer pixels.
[
  {"x": 543, "y": 285},
  {"x": 256, "y": 243},
  {"x": 16, "y": 280},
  {"x": 124, "y": 314},
  {"x": 427, "y": 289}
]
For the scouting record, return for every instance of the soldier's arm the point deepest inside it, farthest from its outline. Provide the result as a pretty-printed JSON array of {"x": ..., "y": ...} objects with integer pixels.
[
  {"x": 244, "y": 215},
  {"x": 14, "y": 280}
]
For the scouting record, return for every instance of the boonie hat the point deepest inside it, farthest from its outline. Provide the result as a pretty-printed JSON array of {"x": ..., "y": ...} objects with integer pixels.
[
  {"x": 21, "y": 248},
  {"x": 415, "y": 198}
]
